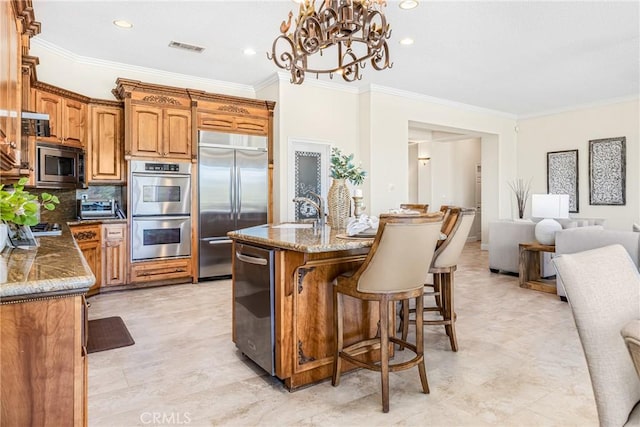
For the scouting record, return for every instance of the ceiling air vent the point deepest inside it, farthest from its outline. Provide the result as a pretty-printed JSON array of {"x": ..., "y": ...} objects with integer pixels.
[{"x": 185, "y": 46}]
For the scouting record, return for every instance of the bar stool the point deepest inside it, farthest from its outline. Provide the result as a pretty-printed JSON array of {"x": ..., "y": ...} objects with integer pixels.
[
  {"x": 443, "y": 265},
  {"x": 394, "y": 270}
]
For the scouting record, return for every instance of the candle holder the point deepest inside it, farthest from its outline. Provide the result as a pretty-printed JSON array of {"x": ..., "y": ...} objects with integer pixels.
[{"x": 358, "y": 206}]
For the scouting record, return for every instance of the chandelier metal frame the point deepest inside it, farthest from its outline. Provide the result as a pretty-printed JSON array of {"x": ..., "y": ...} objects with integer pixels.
[{"x": 341, "y": 23}]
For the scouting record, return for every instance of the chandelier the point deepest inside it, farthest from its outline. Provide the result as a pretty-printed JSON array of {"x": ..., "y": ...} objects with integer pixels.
[{"x": 356, "y": 30}]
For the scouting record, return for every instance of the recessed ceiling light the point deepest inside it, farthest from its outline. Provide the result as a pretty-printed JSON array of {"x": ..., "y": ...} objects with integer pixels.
[
  {"x": 408, "y": 4},
  {"x": 121, "y": 23},
  {"x": 406, "y": 41},
  {"x": 248, "y": 51}
]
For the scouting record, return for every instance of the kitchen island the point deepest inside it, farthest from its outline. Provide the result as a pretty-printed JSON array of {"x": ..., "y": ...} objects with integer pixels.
[
  {"x": 43, "y": 330},
  {"x": 306, "y": 262}
]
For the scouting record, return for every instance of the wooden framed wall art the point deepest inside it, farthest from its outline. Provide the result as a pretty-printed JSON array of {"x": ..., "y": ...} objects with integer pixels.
[
  {"x": 607, "y": 171},
  {"x": 562, "y": 176}
]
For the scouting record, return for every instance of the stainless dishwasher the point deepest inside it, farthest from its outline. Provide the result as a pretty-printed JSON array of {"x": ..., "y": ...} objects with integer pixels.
[{"x": 253, "y": 275}]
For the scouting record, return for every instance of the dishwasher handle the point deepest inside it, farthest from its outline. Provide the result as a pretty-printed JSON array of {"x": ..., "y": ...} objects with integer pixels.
[{"x": 251, "y": 259}]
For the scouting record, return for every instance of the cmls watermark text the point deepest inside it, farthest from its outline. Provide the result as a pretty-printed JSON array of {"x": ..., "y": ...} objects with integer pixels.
[{"x": 166, "y": 418}]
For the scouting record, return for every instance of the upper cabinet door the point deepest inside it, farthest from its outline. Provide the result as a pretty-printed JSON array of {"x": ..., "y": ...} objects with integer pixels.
[
  {"x": 146, "y": 131},
  {"x": 74, "y": 115},
  {"x": 50, "y": 104},
  {"x": 177, "y": 133},
  {"x": 105, "y": 144}
]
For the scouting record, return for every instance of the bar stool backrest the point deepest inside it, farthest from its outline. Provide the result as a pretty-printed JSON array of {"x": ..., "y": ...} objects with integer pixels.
[
  {"x": 449, "y": 251},
  {"x": 401, "y": 253}
]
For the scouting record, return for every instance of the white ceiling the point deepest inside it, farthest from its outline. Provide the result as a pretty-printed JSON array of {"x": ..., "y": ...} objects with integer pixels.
[{"x": 518, "y": 57}]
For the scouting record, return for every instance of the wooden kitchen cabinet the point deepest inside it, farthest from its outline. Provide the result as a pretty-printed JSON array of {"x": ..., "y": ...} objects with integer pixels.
[
  {"x": 10, "y": 94},
  {"x": 114, "y": 254},
  {"x": 105, "y": 146},
  {"x": 44, "y": 362},
  {"x": 89, "y": 241},
  {"x": 157, "y": 120},
  {"x": 160, "y": 132},
  {"x": 67, "y": 115}
]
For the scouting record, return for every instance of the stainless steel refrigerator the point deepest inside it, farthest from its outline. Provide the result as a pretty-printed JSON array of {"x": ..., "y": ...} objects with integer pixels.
[{"x": 233, "y": 193}]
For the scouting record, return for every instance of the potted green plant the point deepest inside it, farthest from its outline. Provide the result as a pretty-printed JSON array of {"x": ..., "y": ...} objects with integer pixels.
[
  {"x": 342, "y": 167},
  {"x": 338, "y": 198},
  {"x": 19, "y": 210}
]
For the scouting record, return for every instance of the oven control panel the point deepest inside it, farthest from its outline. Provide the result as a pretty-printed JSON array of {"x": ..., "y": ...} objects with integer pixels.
[
  {"x": 162, "y": 167},
  {"x": 157, "y": 168}
]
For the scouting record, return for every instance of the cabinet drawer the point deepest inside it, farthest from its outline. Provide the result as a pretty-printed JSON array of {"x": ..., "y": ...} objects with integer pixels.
[
  {"x": 113, "y": 233},
  {"x": 84, "y": 233},
  {"x": 160, "y": 270},
  {"x": 227, "y": 122}
]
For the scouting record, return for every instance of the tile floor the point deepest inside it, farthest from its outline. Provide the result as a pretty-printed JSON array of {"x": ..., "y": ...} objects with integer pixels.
[{"x": 520, "y": 364}]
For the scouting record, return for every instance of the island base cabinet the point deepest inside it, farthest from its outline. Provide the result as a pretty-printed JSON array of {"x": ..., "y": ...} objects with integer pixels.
[
  {"x": 304, "y": 315},
  {"x": 43, "y": 362}
]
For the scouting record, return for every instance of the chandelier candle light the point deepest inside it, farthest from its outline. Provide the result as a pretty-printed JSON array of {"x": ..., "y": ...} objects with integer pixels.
[{"x": 357, "y": 29}]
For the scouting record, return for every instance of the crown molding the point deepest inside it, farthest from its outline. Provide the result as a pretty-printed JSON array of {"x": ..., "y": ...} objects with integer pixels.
[
  {"x": 273, "y": 78},
  {"x": 191, "y": 80},
  {"x": 432, "y": 99},
  {"x": 578, "y": 107}
]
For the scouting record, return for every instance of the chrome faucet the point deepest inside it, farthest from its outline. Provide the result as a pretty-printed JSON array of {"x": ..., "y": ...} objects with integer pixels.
[{"x": 319, "y": 205}]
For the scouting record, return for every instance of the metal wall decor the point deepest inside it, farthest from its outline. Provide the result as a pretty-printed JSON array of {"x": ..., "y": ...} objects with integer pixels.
[
  {"x": 356, "y": 30},
  {"x": 562, "y": 176},
  {"x": 607, "y": 171}
]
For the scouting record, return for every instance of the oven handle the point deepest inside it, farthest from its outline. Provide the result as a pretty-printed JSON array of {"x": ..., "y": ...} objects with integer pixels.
[
  {"x": 160, "y": 218},
  {"x": 159, "y": 175}
]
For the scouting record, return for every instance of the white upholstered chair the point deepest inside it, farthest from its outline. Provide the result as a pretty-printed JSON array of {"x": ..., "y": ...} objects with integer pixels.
[
  {"x": 603, "y": 289},
  {"x": 394, "y": 270}
]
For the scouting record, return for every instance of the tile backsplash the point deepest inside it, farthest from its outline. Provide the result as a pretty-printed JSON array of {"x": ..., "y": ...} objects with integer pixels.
[{"x": 66, "y": 210}]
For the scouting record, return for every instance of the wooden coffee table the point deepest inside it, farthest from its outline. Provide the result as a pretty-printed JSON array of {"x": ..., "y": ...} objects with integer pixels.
[{"x": 529, "y": 267}]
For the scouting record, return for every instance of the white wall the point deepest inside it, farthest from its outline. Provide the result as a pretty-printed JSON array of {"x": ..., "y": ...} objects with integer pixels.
[
  {"x": 573, "y": 130},
  {"x": 314, "y": 113},
  {"x": 390, "y": 115}
]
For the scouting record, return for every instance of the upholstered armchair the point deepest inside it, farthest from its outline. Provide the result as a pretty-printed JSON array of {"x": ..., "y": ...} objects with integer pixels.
[{"x": 603, "y": 290}]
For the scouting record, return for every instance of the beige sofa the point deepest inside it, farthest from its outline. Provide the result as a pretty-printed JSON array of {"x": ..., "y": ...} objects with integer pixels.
[
  {"x": 582, "y": 239},
  {"x": 505, "y": 237}
]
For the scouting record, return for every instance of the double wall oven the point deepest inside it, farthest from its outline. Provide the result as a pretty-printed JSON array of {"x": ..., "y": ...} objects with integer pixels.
[{"x": 160, "y": 209}]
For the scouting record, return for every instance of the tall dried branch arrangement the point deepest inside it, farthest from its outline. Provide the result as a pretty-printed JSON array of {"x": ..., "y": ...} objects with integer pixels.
[{"x": 521, "y": 190}]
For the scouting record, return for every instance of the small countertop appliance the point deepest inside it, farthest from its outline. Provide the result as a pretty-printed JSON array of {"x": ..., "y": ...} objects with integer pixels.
[{"x": 98, "y": 209}]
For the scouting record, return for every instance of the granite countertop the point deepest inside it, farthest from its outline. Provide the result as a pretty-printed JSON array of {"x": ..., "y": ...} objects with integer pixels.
[
  {"x": 293, "y": 237},
  {"x": 56, "y": 267}
]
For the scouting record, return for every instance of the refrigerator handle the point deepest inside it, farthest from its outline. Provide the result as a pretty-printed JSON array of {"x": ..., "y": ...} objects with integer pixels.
[
  {"x": 239, "y": 192},
  {"x": 231, "y": 193}
]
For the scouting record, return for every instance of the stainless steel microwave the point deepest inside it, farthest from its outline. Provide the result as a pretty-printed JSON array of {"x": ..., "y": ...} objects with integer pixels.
[{"x": 59, "y": 167}]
